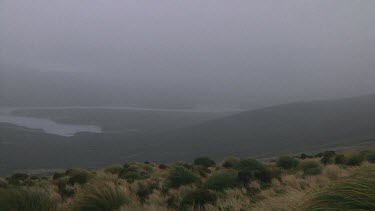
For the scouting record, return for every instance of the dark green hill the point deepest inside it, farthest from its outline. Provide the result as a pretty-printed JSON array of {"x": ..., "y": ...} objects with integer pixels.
[
  {"x": 270, "y": 131},
  {"x": 277, "y": 129}
]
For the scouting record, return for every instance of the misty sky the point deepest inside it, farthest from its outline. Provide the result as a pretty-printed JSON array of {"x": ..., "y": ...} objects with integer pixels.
[{"x": 224, "y": 52}]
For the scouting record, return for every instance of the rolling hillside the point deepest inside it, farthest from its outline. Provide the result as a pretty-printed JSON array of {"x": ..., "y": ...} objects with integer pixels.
[
  {"x": 277, "y": 129},
  {"x": 269, "y": 131}
]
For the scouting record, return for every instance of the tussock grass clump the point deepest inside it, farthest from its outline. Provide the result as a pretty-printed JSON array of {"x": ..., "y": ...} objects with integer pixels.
[
  {"x": 136, "y": 171},
  {"x": 163, "y": 166},
  {"x": 310, "y": 167},
  {"x": 355, "y": 159},
  {"x": 287, "y": 162},
  {"x": 340, "y": 159},
  {"x": 332, "y": 172},
  {"x": 371, "y": 157},
  {"x": 198, "y": 198},
  {"x": 20, "y": 176},
  {"x": 201, "y": 170},
  {"x": 26, "y": 199},
  {"x": 3, "y": 183},
  {"x": 204, "y": 161},
  {"x": 179, "y": 176},
  {"x": 79, "y": 176},
  {"x": 230, "y": 162},
  {"x": 63, "y": 188},
  {"x": 113, "y": 169},
  {"x": 257, "y": 169},
  {"x": 58, "y": 175},
  {"x": 100, "y": 196},
  {"x": 145, "y": 189},
  {"x": 353, "y": 193},
  {"x": 328, "y": 159},
  {"x": 222, "y": 180}
]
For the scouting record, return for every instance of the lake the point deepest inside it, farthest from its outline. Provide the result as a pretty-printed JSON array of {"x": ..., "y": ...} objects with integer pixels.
[
  {"x": 69, "y": 128},
  {"x": 48, "y": 126}
]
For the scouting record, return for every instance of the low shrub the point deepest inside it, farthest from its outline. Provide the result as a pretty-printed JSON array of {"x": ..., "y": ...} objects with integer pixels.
[
  {"x": 29, "y": 199},
  {"x": 144, "y": 190},
  {"x": 134, "y": 172},
  {"x": 66, "y": 191},
  {"x": 310, "y": 167},
  {"x": 355, "y": 160},
  {"x": 287, "y": 162},
  {"x": 163, "y": 166},
  {"x": 79, "y": 176},
  {"x": 305, "y": 156},
  {"x": 186, "y": 165},
  {"x": 132, "y": 176},
  {"x": 174, "y": 201},
  {"x": 113, "y": 169},
  {"x": 58, "y": 175},
  {"x": 20, "y": 176},
  {"x": 204, "y": 161},
  {"x": 245, "y": 177},
  {"x": 198, "y": 198},
  {"x": 340, "y": 159},
  {"x": 3, "y": 183},
  {"x": 179, "y": 176},
  {"x": 201, "y": 170},
  {"x": 99, "y": 195},
  {"x": 222, "y": 180},
  {"x": 326, "y": 153},
  {"x": 258, "y": 169},
  {"x": 371, "y": 157},
  {"x": 230, "y": 162},
  {"x": 328, "y": 159}
]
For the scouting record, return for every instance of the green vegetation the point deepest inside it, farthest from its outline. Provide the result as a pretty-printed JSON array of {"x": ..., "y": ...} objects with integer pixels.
[
  {"x": 310, "y": 167},
  {"x": 230, "y": 162},
  {"x": 78, "y": 176},
  {"x": 198, "y": 198},
  {"x": 28, "y": 199},
  {"x": 100, "y": 196},
  {"x": 355, "y": 159},
  {"x": 246, "y": 184},
  {"x": 114, "y": 169},
  {"x": 180, "y": 175},
  {"x": 371, "y": 157},
  {"x": 257, "y": 169},
  {"x": 222, "y": 180},
  {"x": 204, "y": 161},
  {"x": 352, "y": 193},
  {"x": 287, "y": 162}
]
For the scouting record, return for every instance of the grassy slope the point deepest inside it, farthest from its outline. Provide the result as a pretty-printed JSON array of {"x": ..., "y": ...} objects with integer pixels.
[
  {"x": 276, "y": 129},
  {"x": 110, "y": 189}
]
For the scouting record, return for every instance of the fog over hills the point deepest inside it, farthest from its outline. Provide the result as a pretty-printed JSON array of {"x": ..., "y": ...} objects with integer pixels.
[
  {"x": 302, "y": 125},
  {"x": 185, "y": 54},
  {"x": 274, "y": 130}
]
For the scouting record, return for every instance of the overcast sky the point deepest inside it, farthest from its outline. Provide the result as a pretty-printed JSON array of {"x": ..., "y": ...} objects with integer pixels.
[{"x": 269, "y": 51}]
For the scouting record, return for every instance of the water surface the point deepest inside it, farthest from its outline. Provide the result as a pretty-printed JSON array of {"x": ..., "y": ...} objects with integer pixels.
[{"x": 48, "y": 126}]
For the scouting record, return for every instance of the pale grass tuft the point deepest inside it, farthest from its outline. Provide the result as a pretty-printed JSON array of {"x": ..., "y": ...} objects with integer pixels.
[
  {"x": 292, "y": 181},
  {"x": 293, "y": 199},
  {"x": 233, "y": 199},
  {"x": 334, "y": 172},
  {"x": 156, "y": 199}
]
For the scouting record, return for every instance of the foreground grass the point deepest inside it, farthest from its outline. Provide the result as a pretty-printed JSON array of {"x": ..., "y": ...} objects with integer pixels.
[
  {"x": 326, "y": 181},
  {"x": 352, "y": 193}
]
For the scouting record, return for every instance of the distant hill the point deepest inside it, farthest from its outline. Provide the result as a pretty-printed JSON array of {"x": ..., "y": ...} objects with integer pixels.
[
  {"x": 270, "y": 131},
  {"x": 277, "y": 129}
]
